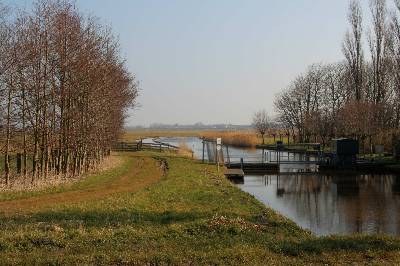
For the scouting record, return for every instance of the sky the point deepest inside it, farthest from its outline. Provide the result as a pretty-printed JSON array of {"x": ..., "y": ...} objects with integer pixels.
[{"x": 218, "y": 61}]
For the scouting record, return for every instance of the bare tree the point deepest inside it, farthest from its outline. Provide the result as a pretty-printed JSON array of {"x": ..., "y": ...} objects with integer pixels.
[
  {"x": 352, "y": 49},
  {"x": 379, "y": 49},
  {"x": 6, "y": 79},
  {"x": 64, "y": 89},
  {"x": 261, "y": 123},
  {"x": 358, "y": 99},
  {"x": 395, "y": 59}
]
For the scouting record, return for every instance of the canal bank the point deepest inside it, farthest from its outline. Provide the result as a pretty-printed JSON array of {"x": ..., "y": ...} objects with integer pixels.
[
  {"x": 356, "y": 201},
  {"x": 190, "y": 214}
]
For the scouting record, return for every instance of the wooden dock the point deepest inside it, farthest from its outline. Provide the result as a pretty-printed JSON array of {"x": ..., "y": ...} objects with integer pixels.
[
  {"x": 255, "y": 168},
  {"x": 234, "y": 173}
]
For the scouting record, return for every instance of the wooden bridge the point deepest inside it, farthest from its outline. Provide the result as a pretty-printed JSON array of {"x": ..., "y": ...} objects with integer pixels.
[{"x": 140, "y": 146}]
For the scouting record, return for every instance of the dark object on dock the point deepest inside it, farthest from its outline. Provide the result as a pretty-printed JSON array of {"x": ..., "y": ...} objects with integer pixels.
[
  {"x": 345, "y": 147},
  {"x": 344, "y": 155},
  {"x": 279, "y": 145}
]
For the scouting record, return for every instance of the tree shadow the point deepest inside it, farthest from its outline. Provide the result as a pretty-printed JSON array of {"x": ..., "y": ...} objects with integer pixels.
[{"x": 98, "y": 218}]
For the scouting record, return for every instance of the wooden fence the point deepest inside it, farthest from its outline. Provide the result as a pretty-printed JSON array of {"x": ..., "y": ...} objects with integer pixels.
[{"x": 140, "y": 146}]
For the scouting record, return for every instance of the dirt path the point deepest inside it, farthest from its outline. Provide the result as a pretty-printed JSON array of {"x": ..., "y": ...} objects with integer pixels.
[{"x": 141, "y": 173}]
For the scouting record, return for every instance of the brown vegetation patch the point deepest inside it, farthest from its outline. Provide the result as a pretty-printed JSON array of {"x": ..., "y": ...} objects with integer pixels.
[
  {"x": 241, "y": 138},
  {"x": 21, "y": 183},
  {"x": 222, "y": 222},
  {"x": 141, "y": 173},
  {"x": 184, "y": 149}
]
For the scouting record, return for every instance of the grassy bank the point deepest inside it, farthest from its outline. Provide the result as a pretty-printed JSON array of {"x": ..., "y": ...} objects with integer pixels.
[{"x": 135, "y": 214}]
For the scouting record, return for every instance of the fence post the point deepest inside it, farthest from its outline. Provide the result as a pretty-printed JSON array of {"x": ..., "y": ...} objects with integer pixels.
[
  {"x": 227, "y": 155},
  {"x": 19, "y": 163},
  {"x": 262, "y": 155},
  {"x": 203, "y": 149}
]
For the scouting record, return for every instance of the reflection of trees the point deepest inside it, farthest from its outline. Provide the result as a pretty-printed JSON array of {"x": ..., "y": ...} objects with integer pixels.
[
  {"x": 309, "y": 198},
  {"x": 362, "y": 203}
]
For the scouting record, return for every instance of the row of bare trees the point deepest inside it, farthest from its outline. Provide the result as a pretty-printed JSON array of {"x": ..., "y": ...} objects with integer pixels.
[
  {"x": 64, "y": 89},
  {"x": 359, "y": 97}
]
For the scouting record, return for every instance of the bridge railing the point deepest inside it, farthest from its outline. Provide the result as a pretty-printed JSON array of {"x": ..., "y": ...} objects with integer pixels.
[{"x": 139, "y": 146}]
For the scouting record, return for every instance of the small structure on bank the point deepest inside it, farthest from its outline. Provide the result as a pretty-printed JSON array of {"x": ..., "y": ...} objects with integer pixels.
[{"x": 344, "y": 154}]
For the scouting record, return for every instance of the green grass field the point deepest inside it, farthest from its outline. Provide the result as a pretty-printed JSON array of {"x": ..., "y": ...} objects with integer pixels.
[{"x": 192, "y": 215}]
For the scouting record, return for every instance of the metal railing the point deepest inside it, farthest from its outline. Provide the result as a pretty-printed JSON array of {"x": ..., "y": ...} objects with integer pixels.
[{"x": 139, "y": 146}]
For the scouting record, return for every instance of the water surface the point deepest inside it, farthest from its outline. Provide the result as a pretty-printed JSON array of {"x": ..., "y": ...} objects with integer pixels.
[{"x": 324, "y": 204}]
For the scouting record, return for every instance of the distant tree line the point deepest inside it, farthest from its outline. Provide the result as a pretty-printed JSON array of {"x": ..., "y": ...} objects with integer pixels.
[
  {"x": 64, "y": 89},
  {"x": 359, "y": 97}
]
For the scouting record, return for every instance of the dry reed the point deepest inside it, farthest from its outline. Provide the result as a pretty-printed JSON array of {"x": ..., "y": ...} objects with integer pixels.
[
  {"x": 21, "y": 183},
  {"x": 184, "y": 149},
  {"x": 240, "y": 138}
]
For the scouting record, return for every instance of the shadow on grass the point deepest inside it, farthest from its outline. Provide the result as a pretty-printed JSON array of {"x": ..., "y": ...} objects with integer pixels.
[{"x": 96, "y": 218}]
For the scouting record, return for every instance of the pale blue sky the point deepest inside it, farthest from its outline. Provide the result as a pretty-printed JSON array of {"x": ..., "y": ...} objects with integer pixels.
[{"x": 218, "y": 61}]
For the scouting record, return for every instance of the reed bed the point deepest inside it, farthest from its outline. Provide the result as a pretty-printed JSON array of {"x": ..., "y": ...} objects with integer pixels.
[
  {"x": 184, "y": 150},
  {"x": 235, "y": 138},
  {"x": 20, "y": 183}
]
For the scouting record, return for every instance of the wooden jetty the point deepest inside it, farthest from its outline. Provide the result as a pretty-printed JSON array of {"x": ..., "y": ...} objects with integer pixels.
[
  {"x": 255, "y": 168},
  {"x": 234, "y": 173}
]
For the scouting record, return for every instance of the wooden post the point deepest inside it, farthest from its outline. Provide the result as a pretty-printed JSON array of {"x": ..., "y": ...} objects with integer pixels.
[
  {"x": 216, "y": 157},
  {"x": 262, "y": 156},
  {"x": 227, "y": 155},
  {"x": 203, "y": 150},
  {"x": 19, "y": 163},
  {"x": 241, "y": 163}
]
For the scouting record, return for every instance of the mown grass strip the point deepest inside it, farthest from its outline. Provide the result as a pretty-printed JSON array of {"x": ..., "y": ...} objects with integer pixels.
[{"x": 190, "y": 216}]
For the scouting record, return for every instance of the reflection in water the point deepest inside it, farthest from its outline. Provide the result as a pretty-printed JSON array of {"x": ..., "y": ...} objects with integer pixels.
[
  {"x": 332, "y": 204},
  {"x": 324, "y": 204}
]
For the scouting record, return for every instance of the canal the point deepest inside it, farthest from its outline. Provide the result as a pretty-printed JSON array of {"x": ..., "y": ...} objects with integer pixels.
[{"x": 323, "y": 204}]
